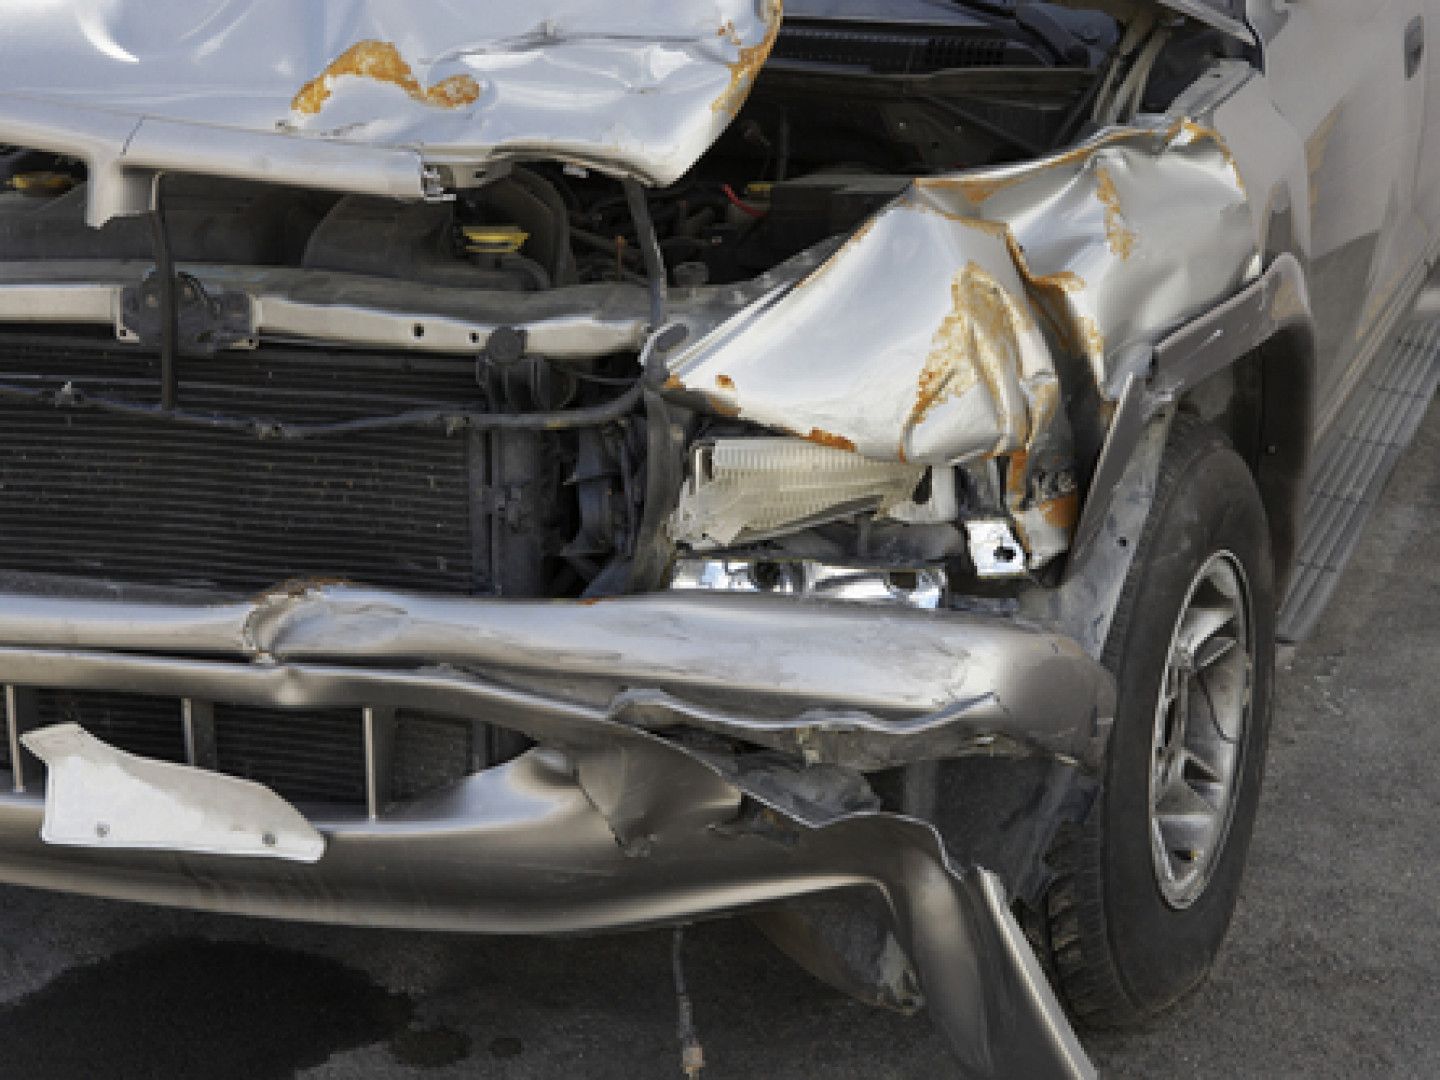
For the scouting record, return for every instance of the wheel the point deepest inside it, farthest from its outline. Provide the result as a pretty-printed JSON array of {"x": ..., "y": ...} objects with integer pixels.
[{"x": 1146, "y": 887}]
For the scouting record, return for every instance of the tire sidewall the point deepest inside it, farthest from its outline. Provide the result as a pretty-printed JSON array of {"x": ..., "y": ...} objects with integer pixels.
[{"x": 1160, "y": 952}]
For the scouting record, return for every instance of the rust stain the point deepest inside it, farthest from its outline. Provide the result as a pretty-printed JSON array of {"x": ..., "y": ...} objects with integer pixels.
[
  {"x": 725, "y": 382},
  {"x": 980, "y": 187},
  {"x": 751, "y": 59},
  {"x": 1044, "y": 401},
  {"x": 827, "y": 438},
  {"x": 727, "y": 30},
  {"x": 674, "y": 382},
  {"x": 381, "y": 61},
  {"x": 298, "y": 588},
  {"x": 721, "y": 407},
  {"x": 859, "y": 234},
  {"x": 1015, "y": 474},
  {"x": 1061, "y": 512},
  {"x": 1119, "y": 235},
  {"x": 1091, "y": 340},
  {"x": 1077, "y": 335},
  {"x": 987, "y": 186},
  {"x": 976, "y": 188},
  {"x": 1198, "y": 132},
  {"x": 978, "y": 342}
]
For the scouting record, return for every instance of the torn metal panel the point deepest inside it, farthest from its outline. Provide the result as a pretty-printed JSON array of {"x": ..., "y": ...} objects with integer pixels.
[
  {"x": 370, "y": 97},
  {"x": 949, "y": 314}
]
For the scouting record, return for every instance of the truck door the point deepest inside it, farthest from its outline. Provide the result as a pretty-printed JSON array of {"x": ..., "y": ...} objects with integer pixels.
[{"x": 1352, "y": 79}]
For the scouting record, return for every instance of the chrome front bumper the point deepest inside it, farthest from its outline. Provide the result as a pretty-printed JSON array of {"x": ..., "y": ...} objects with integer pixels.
[{"x": 628, "y": 811}]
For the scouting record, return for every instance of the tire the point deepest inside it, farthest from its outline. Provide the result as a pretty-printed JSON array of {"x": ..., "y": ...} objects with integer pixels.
[{"x": 1134, "y": 923}]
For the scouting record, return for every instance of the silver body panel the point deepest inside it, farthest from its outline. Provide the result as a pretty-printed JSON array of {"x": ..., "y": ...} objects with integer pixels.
[{"x": 370, "y": 97}]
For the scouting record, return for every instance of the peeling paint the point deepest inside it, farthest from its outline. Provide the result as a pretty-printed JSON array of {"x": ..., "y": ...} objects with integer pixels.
[
  {"x": 976, "y": 343},
  {"x": 721, "y": 406},
  {"x": 1015, "y": 474},
  {"x": 380, "y": 61},
  {"x": 1197, "y": 132},
  {"x": 1117, "y": 232},
  {"x": 960, "y": 358},
  {"x": 373, "y": 97},
  {"x": 751, "y": 59},
  {"x": 977, "y": 188},
  {"x": 1061, "y": 512},
  {"x": 826, "y": 438}
]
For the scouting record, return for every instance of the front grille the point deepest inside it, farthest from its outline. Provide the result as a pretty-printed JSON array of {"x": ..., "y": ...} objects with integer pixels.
[
  {"x": 315, "y": 756},
  {"x": 135, "y": 723},
  {"x": 148, "y": 500},
  {"x": 432, "y": 751}
]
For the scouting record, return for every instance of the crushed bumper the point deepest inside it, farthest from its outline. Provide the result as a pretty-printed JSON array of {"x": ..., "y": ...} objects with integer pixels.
[{"x": 628, "y": 811}]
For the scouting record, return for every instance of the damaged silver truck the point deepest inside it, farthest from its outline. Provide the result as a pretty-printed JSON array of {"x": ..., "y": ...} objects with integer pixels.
[{"x": 559, "y": 467}]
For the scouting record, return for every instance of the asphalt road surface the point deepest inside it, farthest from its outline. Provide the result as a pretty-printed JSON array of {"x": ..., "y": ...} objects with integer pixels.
[{"x": 1332, "y": 969}]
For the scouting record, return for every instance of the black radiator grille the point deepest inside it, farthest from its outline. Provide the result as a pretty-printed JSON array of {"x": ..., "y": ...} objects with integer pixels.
[
  {"x": 317, "y": 755},
  {"x": 306, "y": 756},
  {"x": 135, "y": 723},
  {"x": 90, "y": 493},
  {"x": 431, "y": 751}
]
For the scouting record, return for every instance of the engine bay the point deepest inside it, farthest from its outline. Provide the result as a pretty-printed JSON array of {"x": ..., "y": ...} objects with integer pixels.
[{"x": 577, "y": 463}]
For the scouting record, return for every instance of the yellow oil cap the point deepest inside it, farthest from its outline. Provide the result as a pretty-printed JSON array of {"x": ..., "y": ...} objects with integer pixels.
[
  {"x": 42, "y": 183},
  {"x": 494, "y": 239}
]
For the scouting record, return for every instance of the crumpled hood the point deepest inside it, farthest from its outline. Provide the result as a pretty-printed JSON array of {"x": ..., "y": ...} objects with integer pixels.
[{"x": 370, "y": 95}]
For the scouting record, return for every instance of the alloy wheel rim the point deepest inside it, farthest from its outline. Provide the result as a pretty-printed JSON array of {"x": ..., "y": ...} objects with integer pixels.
[{"x": 1198, "y": 741}]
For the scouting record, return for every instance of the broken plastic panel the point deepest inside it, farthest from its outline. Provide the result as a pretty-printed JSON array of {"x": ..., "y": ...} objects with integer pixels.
[
  {"x": 99, "y": 797},
  {"x": 747, "y": 489}
]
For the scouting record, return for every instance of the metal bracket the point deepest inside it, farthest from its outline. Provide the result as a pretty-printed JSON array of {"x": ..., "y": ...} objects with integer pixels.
[
  {"x": 994, "y": 549},
  {"x": 205, "y": 324}
]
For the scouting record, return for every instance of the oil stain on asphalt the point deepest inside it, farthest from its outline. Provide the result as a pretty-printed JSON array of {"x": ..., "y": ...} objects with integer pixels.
[{"x": 171, "y": 1009}]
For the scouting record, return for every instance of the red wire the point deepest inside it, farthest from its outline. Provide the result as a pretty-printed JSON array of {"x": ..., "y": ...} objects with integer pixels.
[{"x": 740, "y": 204}]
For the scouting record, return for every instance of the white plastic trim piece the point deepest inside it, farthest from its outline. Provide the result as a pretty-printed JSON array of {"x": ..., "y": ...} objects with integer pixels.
[{"x": 100, "y": 797}]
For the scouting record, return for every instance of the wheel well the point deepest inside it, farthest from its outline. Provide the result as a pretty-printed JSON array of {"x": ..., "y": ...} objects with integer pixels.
[{"x": 1264, "y": 403}]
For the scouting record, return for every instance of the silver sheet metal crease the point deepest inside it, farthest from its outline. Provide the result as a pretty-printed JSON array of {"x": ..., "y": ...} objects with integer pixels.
[
  {"x": 987, "y": 281},
  {"x": 371, "y": 97}
]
